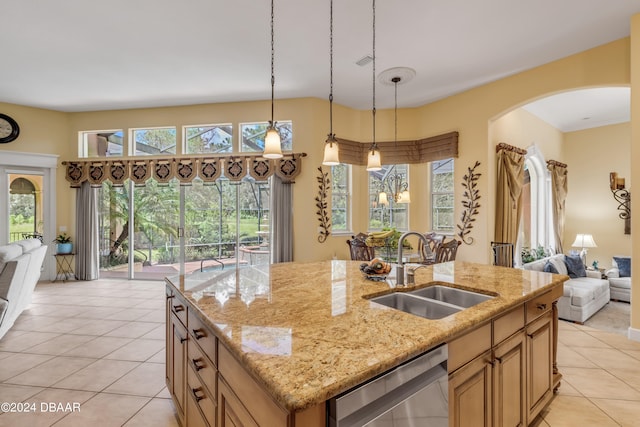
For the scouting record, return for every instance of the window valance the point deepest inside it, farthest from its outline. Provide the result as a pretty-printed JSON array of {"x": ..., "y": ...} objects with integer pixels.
[
  {"x": 185, "y": 169},
  {"x": 415, "y": 151}
]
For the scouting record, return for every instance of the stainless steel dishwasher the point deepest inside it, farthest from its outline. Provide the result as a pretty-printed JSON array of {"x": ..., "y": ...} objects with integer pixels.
[{"x": 414, "y": 394}]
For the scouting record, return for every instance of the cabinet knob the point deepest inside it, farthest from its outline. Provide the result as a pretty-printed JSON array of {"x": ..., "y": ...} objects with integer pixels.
[
  {"x": 194, "y": 392},
  {"x": 178, "y": 308},
  {"x": 542, "y": 306},
  {"x": 196, "y": 364},
  {"x": 199, "y": 333},
  {"x": 182, "y": 340}
]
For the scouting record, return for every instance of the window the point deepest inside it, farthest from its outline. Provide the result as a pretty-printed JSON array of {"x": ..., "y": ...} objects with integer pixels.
[
  {"x": 442, "y": 196},
  {"x": 390, "y": 214},
  {"x": 208, "y": 139},
  {"x": 340, "y": 205},
  {"x": 100, "y": 144},
  {"x": 252, "y": 135},
  {"x": 536, "y": 224},
  {"x": 153, "y": 141}
]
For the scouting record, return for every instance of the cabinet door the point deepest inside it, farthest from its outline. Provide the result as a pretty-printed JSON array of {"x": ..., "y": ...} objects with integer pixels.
[
  {"x": 178, "y": 349},
  {"x": 539, "y": 364},
  {"x": 231, "y": 412},
  {"x": 509, "y": 379},
  {"x": 470, "y": 394}
]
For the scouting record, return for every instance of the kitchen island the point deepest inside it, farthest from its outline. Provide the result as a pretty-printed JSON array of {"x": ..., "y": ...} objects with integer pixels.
[{"x": 269, "y": 345}]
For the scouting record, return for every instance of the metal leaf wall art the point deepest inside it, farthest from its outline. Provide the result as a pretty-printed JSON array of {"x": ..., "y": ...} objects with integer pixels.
[
  {"x": 470, "y": 203},
  {"x": 321, "y": 205}
]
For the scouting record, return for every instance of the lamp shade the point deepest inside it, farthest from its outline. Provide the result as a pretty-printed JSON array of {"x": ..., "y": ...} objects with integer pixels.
[
  {"x": 272, "y": 147},
  {"x": 382, "y": 199},
  {"x": 405, "y": 197},
  {"x": 373, "y": 160},
  {"x": 331, "y": 157},
  {"x": 584, "y": 241}
]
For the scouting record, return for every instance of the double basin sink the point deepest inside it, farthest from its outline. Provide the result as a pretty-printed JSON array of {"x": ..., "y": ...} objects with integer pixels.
[{"x": 433, "y": 302}]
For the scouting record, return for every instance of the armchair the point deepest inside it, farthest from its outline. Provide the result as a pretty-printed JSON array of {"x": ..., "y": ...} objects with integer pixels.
[{"x": 620, "y": 278}]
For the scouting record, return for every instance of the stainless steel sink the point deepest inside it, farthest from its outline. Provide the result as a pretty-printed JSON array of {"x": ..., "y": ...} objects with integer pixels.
[
  {"x": 433, "y": 302},
  {"x": 454, "y": 296},
  {"x": 423, "y": 307}
]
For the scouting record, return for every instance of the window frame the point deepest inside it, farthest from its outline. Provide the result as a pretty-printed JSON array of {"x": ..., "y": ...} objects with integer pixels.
[
  {"x": 346, "y": 195},
  {"x": 435, "y": 194}
]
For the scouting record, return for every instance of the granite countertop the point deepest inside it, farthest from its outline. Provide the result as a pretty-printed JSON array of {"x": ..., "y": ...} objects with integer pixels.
[{"x": 307, "y": 331}]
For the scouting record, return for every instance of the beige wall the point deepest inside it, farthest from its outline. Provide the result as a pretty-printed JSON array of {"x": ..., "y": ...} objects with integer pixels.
[
  {"x": 45, "y": 131},
  {"x": 590, "y": 206}
]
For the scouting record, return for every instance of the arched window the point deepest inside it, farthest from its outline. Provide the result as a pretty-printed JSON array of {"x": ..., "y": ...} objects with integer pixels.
[{"x": 536, "y": 226}]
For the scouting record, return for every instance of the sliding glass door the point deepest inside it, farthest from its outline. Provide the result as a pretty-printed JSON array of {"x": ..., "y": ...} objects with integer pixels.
[{"x": 158, "y": 230}]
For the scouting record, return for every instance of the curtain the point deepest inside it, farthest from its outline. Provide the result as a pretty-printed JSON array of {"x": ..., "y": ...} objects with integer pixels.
[
  {"x": 510, "y": 180},
  {"x": 559, "y": 194},
  {"x": 281, "y": 220},
  {"x": 87, "y": 266}
]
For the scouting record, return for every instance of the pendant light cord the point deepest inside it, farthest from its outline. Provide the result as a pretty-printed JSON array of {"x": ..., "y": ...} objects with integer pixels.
[
  {"x": 273, "y": 78},
  {"x": 331, "y": 136},
  {"x": 373, "y": 146}
]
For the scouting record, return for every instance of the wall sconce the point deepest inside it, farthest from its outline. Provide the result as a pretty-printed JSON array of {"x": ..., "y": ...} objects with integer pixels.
[{"x": 623, "y": 197}]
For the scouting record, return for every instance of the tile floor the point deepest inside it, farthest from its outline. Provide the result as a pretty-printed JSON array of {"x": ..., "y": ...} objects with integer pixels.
[{"x": 100, "y": 345}]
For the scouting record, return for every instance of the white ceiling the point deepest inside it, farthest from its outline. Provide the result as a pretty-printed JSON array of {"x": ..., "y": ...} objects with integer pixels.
[{"x": 78, "y": 55}]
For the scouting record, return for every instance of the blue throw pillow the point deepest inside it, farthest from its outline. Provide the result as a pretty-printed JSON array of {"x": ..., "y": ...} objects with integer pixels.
[
  {"x": 624, "y": 265},
  {"x": 575, "y": 267},
  {"x": 549, "y": 268}
]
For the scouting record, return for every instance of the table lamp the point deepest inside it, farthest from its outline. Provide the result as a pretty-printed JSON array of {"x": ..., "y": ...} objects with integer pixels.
[{"x": 584, "y": 241}]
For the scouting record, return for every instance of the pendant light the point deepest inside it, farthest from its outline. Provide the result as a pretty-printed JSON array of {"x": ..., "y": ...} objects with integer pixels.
[
  {"x": 373, "y": 157},
  {"x": 331, "y": 151},
  {"x": 272, "y": 141},
  {"x": 401, "y": 194}
]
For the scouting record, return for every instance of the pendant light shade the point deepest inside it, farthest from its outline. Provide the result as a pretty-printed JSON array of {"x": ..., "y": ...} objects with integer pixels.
[
  {"x": 373, "y": 159},
  {"x": 405, "y": 197},
  {"x": 272, "y": 140},
  {"x": 331, "y": 154},
  {"x": 272, "y": 143},
  {"x": 331, "y": 150},
  {"x": 383, "y": 199}
]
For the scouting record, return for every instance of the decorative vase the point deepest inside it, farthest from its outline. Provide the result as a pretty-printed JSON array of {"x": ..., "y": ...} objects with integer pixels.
[{"x": 64, "y": 248}]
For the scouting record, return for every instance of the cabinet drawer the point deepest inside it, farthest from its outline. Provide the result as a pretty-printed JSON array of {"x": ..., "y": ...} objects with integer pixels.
[
  {"x": 508, "y": 324},
  {"x": 467, "y": 347},
  {"x": 538, "y": 306},
  {"x": 179, "y": 308},
  {"x": 202, "y": 366},
  {"x": 201, "y": 397},
  {"x": 203, "y": 336}
]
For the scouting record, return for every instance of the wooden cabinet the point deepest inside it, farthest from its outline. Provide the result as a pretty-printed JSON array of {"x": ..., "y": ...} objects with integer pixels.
[
  {"x": 176, "y": 359},
  {"x": 539, "y": 364},
  {"x": 507, "y": 379},
  {"x": 470, "y": 393}
]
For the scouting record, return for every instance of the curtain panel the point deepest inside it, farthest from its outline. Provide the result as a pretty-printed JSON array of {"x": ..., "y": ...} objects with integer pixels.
[
  {"x": 510, "y": 180},
  {"x": 87, "y": 256},
  {"x": 559, "y": 194},
  {"x": 281, "y": 221}
]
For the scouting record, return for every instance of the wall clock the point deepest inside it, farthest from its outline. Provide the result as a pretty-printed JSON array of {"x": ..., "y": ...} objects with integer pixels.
[{"x": 9, "y": 129}]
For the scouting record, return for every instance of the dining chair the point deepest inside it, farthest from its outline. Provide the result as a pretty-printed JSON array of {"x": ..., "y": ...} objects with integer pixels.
[
  {"x": 502, "y": 254},
  {"x": 359, "y": 250},
  {"x": 434, "y": 240},
  {"x": 447, "y": 251}
]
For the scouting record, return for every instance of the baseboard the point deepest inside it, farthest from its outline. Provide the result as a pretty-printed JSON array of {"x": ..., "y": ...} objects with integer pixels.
[{"x": 633, "y": 334}]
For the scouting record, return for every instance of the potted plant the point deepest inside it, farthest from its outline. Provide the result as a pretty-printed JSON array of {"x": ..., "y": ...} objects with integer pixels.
[{"x": 64, "y": 245}]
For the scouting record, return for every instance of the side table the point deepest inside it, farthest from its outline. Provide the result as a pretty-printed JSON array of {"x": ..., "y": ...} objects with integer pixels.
[{"x": 64, "y": 268}]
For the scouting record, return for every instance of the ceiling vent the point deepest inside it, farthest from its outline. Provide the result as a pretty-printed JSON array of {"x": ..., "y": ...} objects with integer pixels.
[{"x": 364, "y": 60}]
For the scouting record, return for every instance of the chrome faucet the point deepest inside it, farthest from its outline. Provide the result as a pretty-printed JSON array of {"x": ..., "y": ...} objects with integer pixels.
[{"x": 400, "y": 267}]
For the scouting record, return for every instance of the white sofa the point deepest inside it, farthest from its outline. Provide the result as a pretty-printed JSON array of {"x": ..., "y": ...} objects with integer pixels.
[
  {"x": 583, "y": 296},
  {"x": 620, "y": 286},
  {"x": 20, "y": 266}
]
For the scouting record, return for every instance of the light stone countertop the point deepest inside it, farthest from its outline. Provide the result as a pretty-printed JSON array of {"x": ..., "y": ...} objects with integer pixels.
[{"x": 307, "y": 331}]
